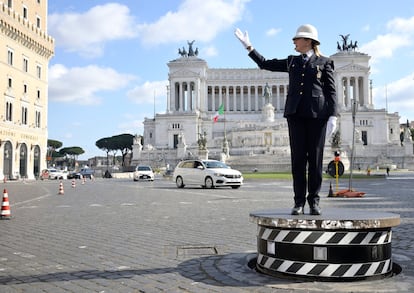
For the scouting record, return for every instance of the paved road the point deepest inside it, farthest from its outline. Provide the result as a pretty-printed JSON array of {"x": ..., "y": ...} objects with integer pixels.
[{"x": 113, "y": 235}]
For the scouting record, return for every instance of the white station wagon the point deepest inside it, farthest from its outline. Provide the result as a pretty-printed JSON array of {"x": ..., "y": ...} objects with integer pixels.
[{"x": 206, "y": 173}]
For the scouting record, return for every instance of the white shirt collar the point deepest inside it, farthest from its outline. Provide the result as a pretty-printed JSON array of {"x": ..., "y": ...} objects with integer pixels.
[{"x": 310, "y": 53}]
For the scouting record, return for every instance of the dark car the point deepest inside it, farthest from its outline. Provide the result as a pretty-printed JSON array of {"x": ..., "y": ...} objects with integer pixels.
[
  {"x": 87, "y": 173},
  {"x": 74, "y": 175}
]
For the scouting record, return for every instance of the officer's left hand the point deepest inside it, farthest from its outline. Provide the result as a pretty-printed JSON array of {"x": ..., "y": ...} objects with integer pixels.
[{"x": 331, "y": 126}]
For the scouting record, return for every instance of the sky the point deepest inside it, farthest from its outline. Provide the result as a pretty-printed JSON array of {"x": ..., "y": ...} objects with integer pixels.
[{"x": 110, "y": 69}]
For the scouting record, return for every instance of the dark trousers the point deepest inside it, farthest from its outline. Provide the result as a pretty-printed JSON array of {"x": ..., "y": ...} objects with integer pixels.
[{"x": 307, "y": 141}]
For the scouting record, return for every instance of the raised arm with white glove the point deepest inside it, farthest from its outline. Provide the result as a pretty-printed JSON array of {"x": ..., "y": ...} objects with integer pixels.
[
  {"x": 331, "y": 126},
  {"x": 243, "y": 38}
]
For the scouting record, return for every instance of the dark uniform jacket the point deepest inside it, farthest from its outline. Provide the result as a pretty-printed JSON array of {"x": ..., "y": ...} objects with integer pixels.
[{"x": 311, "y": 91}]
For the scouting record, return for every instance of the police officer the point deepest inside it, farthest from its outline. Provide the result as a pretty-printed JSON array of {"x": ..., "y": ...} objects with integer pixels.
[{"x": 310, "y": 110}]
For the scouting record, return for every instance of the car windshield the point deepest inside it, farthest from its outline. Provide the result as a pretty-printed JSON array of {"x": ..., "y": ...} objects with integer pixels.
[
  {"x": 215, "y": 164},
  {"x": 144, "y": 168}
]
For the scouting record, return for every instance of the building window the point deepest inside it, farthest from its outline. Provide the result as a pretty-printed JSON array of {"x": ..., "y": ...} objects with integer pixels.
[
  {"x": 175, "y": 140},
  {"x": 10, "y": 3},
  {"x": 364, "y": 137},
  {"x": 9, "y": 111},
  {"x": 38, "y": 22},
  {"x": 24, "y": 12},
  {"x": 38, "y": 94},
  {"x": 39, "y": 71},
  {"x": 10, "y": 57},
  {"x": 25, "y": 64},
  {"x": 10, "y": 82},
  {"x": 37, "y": 119},
  {"x": 25, "y": 88},
  {"x": 24, "y": 115}
]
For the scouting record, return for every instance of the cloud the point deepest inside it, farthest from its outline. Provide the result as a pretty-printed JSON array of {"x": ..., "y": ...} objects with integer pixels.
[
  {"x": 80, "y": 85},
  {"x": 88, "y": 32},
  {"x": 132, "y": 124},
  {"x": 147, "y": 92},
  {"x": 398, "y": 96},
  {"x": 194, "y": 19},
  {"x": 273, "y": 31},
  {"x": 210, "y": 51},
  {"x": 400, "y": 34}
]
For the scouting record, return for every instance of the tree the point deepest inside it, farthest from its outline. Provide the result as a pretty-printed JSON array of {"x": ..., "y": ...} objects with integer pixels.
[
  {"x": 123, "y": 142},
  {"x": 72, "y": 153},
  {"x": 106, "y": 145},
  {"x": 52, "y": 146}
]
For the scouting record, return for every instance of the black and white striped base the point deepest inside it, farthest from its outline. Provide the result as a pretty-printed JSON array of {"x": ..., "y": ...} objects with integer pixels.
[{"x": 356, "y": 247}]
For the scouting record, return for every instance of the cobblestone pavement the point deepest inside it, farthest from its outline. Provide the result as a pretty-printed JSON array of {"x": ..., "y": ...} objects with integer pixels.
[{"x": 115, "y": 235}]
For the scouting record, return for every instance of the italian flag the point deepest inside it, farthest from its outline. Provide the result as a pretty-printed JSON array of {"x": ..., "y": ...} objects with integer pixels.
[{"x": 218, "y": 113}]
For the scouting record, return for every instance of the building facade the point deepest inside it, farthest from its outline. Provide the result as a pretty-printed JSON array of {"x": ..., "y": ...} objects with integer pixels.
[
  {"x": 26, "y": 49},
  {"x": 252, "y": 133}
]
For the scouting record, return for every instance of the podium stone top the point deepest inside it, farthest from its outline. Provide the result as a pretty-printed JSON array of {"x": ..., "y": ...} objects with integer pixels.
[{"x": 331, "y": 219}]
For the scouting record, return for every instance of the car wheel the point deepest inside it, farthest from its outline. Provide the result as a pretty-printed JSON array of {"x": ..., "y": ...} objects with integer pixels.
[
  {"x": 208, "y": 183},
  {"x": 235, "y": 186},
  {"x": 179, "y": 182}
]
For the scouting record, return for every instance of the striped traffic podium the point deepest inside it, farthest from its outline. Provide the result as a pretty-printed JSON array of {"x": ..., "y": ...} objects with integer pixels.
[{"x": 339, "y": 245}]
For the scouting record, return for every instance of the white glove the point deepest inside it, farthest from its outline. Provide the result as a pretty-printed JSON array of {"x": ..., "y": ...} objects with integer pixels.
[
  {"x": 331, "y": 126},
  {"x": 244, "y": 39}
]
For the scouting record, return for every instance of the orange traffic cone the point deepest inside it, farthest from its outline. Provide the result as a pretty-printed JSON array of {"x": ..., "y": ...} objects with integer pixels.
[
  {"x": 73, "y": 183},
  {"x": 5, "y": 207},
  {"x": 61, "y": 191}
]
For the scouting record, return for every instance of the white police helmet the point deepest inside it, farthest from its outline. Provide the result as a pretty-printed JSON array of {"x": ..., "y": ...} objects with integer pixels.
[{"x": 307, "y": 31}]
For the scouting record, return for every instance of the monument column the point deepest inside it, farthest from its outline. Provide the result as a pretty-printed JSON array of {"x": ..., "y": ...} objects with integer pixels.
[
  {"x": 278, "y": 98},
  {"x": 227, "y": 99},
  {"x": 220, "y": 96},
  {"x": 256, "y": 98},
  {"x": 249, "y": 98},
  {"x": 242, "y": 98},
  {"x": 180, "y": 98},
  {"x": 213, "y": 97},
  {"x": 348, "y": 92}
]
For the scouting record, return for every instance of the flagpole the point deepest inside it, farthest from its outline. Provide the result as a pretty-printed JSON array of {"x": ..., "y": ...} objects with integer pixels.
[
  {"x": 225, "y": 143},
  {"x": 225, "y": 136}
]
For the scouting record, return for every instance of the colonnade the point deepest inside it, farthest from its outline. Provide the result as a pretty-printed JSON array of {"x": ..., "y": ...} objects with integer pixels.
[
  {"x": 186, "y": 96},
  {"x": 353, "y": 87},
  {"x": 244, "y": 98}
]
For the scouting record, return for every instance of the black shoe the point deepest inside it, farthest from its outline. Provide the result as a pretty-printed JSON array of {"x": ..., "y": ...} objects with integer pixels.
[
  {"x": 315, "y": 210},
  {"x": 297, "y": 210}
]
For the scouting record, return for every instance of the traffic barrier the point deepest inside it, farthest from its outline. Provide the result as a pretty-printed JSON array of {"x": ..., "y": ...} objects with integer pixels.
[
  {"x": 73, "y": 183},
  {"x": 5, "y": 206},
  {"x": 350, "y": 193},
  {"x": 61, "y": 191}
]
